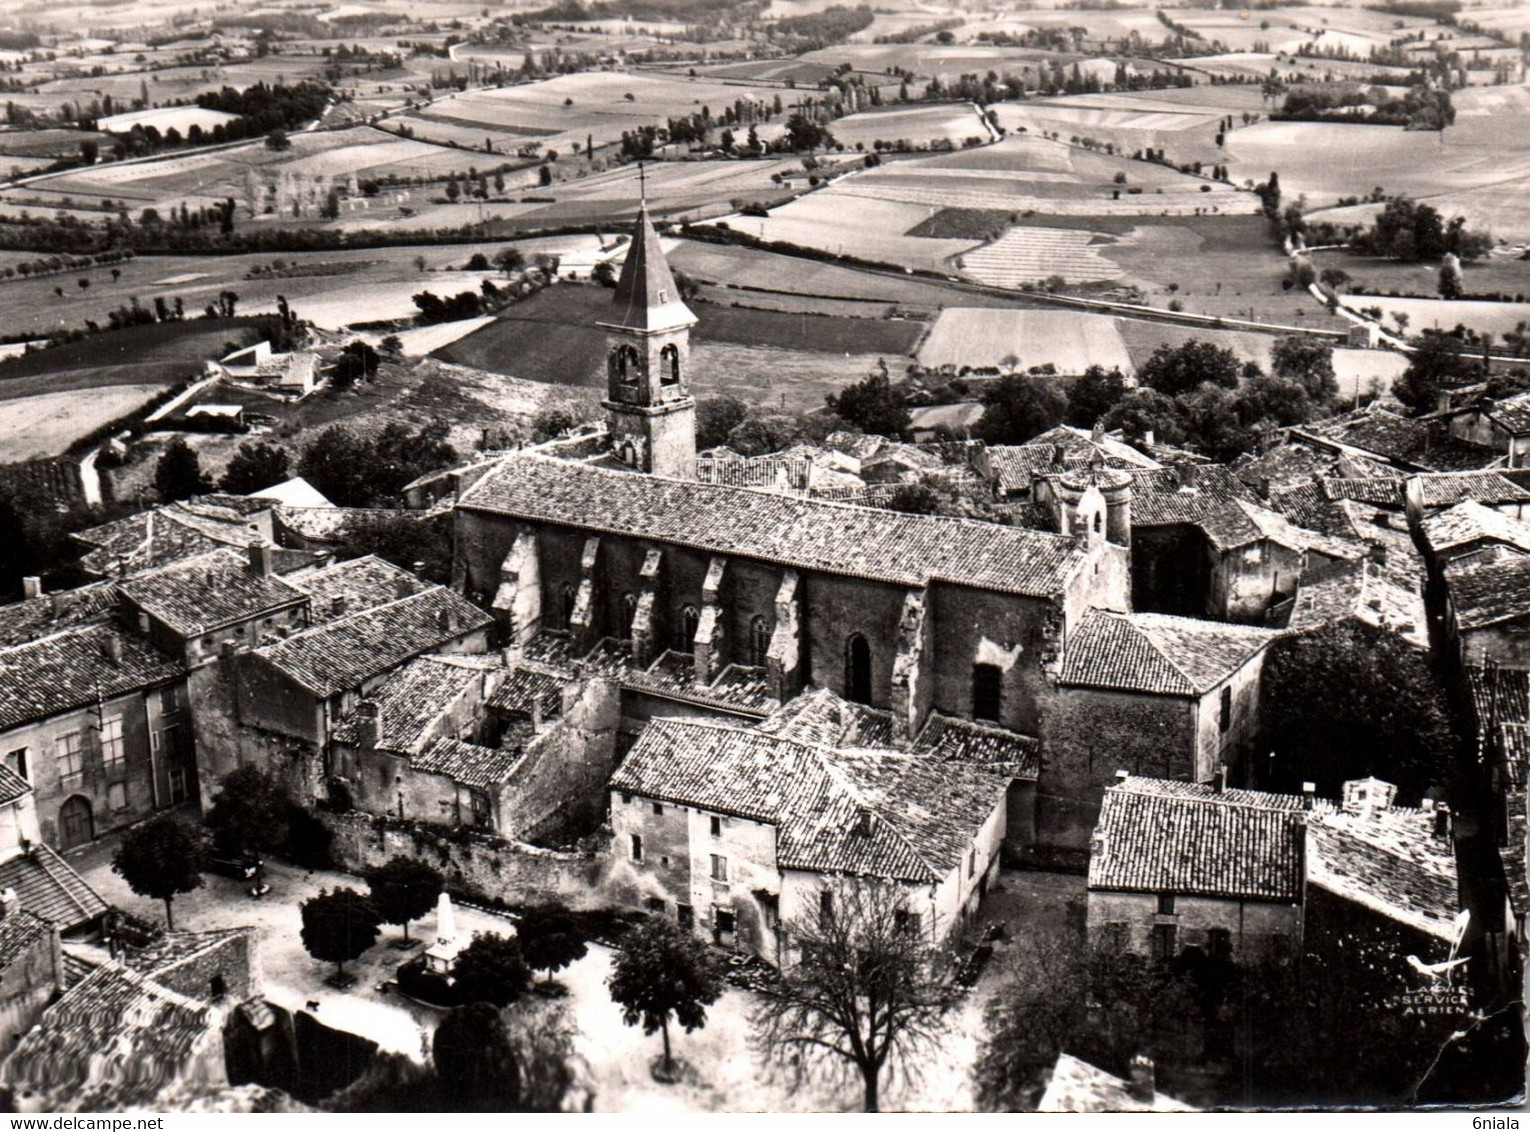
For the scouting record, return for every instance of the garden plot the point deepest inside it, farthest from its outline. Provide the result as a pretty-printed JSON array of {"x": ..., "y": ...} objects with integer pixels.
[
  {"x": 1030, "y": 255},
  {"x": 1068, "y": 340}
]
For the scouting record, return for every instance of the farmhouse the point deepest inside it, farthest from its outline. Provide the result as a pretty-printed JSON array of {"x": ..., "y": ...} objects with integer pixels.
[
  {"x": 741, "y": 834},
  {"x": 293, "y": 374},
  {"x": 1171, "y": 697},
  {"x": 1175, "y": 865}
]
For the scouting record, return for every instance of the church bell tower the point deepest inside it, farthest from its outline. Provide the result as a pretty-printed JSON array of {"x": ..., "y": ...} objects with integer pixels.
[{"x": 649, "y": 408}]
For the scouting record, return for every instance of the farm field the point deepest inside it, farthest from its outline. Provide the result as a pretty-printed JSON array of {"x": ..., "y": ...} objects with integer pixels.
[
  {"x": 679, "y": 185},
  {"x": 1030, "y": 255},
  {"x": 954, "y": 122},
  {"x": 1440, "y": 314},
  {"x": 1504, "y": 272},
  {"x": 1069, "y": 340},
  {"x": 46, "y": 424},
  {"x": 931, "y": 59}
]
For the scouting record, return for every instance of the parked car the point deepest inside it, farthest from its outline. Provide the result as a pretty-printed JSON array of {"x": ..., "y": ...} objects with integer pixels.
[{"x": 240, "y": 866}]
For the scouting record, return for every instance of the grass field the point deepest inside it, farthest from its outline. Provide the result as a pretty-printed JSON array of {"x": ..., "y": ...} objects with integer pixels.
[
  {"x": 46, "y": 424},
  {"x": 1069, "y": 340},
  {"x": 947, "y": 121},
  {"x": 1440, "y": 314},
  {"x": 846, "y": 221},
  {"x": 1505, "y": 273}
]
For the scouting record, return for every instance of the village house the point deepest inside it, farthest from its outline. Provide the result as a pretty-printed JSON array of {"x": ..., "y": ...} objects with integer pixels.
[
  {"x": 1362, "y": 593},
  {"x": 31, "y": 967},
  {"x": 1427, "y": 494},
  {"x": 1487, "y": 612},
  {"x": 1471, "y": 534},
  {"x": 33, "y": 878},
  {"x": 1409, "y": 444},
  {"x": 294, "y": 374},
  {"x": 740, "y": 834},
  {"x": 1170, "y": 697},
  {"x": 172, "y": 531},
  {"x": 1176, "y": 865},
  {"x": 1503, "y": 426}
]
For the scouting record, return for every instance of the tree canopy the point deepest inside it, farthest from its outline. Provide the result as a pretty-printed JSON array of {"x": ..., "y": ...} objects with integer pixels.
[
  {"x": 1179, "y": 369},
  {"x": 873, "y": 405},
  {"x": 1438, "y": 362},
  {"x": 178, "y": 474},
  {"x": 491, "y": 969},
  {"x": 255, "y": 466},
  {"x": 250, "y": 812},
  {"x": 1093, "y": 394},
  {"x": 338, "y": 926},
  {"x": 1018, "y": 407},
  {"x": 663, "y": 972},
  {"x": 355, "y": 468},
  {"x": 551, "y": 937},
  {"x": 1309, "y": 363},
  {"x": 404, "y": 889},
  {"x": 162, "y": 859}
]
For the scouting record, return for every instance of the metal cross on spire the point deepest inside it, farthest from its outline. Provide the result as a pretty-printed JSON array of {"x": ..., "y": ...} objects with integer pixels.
[{"x": 642, "y": 186}]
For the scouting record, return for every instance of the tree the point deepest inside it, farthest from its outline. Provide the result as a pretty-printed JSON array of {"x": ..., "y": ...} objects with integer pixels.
[
  {"x": 1307, "y": 361},
  {"x": 914, "y": 499},
  {"x": 803, "y": 133},
  {"x": 550, "y": 938},
  {"x": 277, "y": 139},
  {"x": 1348, "y": 701},
  {"x": 162, "y": 859},
  {"x": 716, "y": 417},
  {"x": 1094, "y": 394},
  {"x": 404, "y": 889},
  {"x": 1179, "y": 369},
  {"x": 1438, "y": 362},
  {"x": 178, "y": 474},
  {"x": 1450, "y": 277},
  {"x": 250, "y": 813},
  {"x": 509, "y": 259},
  {"x": 413, "y": 540},
  {"x": 254, "y": 466},
  {"x": 357, "y": 361},
  {"x": 866, "y": 993},
  {"x": 553, "y": 421},
  {"x": 338, "y": 926},
  {"x": 474, "y": 1060},
  {"x": 491, "y": 969},
  {"x": 1018, "y": 407},
  {"x": 355, "y": 468},
  {"x": 663, "y": 972},
  {"x": 1147, "y": 411},
  {"x": 873, "y": 406}
]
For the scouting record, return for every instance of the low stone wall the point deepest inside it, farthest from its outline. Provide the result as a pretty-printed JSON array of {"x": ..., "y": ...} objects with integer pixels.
[{"x": 476, "y": 866}]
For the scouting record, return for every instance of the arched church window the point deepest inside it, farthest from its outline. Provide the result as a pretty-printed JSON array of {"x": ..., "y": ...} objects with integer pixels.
[
  {"x": 690, "y": 618},
  {"x": 669, "y": 365},
  {"x": 626, "y": 365},
  {"x": 858, "y": 670},
  {"x": 759, "y": 641}
]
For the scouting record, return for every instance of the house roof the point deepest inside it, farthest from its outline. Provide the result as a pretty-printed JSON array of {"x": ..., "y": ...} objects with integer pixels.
[
  {"x": 1491, "y": 592},
  {"x": 1085, "y": 444},
  {"x": 1387, "y": 860},
  {"x": 1362, "y": 592},
  {"x": 646, "y": 295},
  {"x": 26, "y": 620},
  {"x": 113, "y": 1042},
  {"x": 874, "y": 813},
  {"x": 1157, "y": 653},
  {"x": 12, "y": 786},
  {"x": 174, "y": 949},
  {"x": 1077, "y": 1086},
  {"x": 806, "y": 534},
  {"x": 1187, "y": 493},
  {"x": 1513, "y": 413},
  {"x": 166, "y": 534},
  {"x": 412, "y": 701},
  {"x": 48, "y": 887},
  {"x": 522, "y": 687},
  {"x": 20, "y": 930},
  {"x": 347, "y": 651},
  {"x": 354, "y": 585},
  {"x": 467, "y": 763},
  {"x": 296, "y": 492},
  {"x": 1471, "y": 522},
  {"x": 207, "y": 592},
  {"x": 1160, "y": 836},
  {"x": 1408, "y": 442},
  {"x": 71, "y": 669},
  {"x": 1449, "y": 488}
]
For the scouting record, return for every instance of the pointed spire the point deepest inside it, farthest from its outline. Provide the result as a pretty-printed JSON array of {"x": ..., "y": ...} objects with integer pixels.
[{"x": 646, "y": 295}]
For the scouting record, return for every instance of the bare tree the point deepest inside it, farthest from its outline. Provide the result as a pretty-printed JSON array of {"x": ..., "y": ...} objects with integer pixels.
[{"x": 863, "y": 991}]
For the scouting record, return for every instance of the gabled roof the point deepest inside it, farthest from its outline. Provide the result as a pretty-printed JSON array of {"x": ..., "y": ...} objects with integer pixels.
[
  {"x": 467, "y": 763},
  {"x": 1472, "y": 522},
  {"x": 646, "y": 295},
  {"x": 207, "y": 592},
  {"x": 1158, "y": 836},
  {"x": 806, "y": 534},
  {"x": 48, "y": 887},
  {"x": 412, "y": 701},
  {"x": 1421, "y": 444},
  {"x": 1513, "y": 413},
  {"x": 26, "y": 620},
  {"x": 20, "y": 930},
  {"x": 872, "y": 813},
  {"x": 167, "y": 534},
  {"x": 1446, "y": 489},
  {"x": 1085, "y": 445},
  {"x": 296, "y": 492},
  {"x": 1389, "y": 861},
  {"x": 113, "y": 1042},
  {"x": 74, "y": 668},
  {"x": 354, "y": 585},
  {"x": 1157, "y": 653},
  {"x": 1189, "y": 493},
  {"x": 344, "y": 653},
  {"x": 1490, "y": 593},
  {"x": 12, "y": 786},
  {"x": 1077, "y": 1086},
  {"x": 1362, "y": 592}
]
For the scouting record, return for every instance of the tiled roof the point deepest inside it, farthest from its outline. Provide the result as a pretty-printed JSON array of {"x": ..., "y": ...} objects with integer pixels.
[
  {"x": 12, "y": 786},
  {"x": 1499, "y": 694},
  {"x": 172, "y": 949},
  {"x": 343, "y": 653},
  {"x": 1171, "y": 495},
  {"x": 1077, "y": 1086},
  {"x": 1470, "y": 522},
  {"x": 1157, "y": 653},
  {"x": 806, "y": 534},
  {"x": 74, "y": 668},
  {"x": 773, "y": 472},
  {"x": 1513, "y": 413},
  {"x": 412, "y": 701},
  {"x": 22, "y": 621},
  {"x": 209, "y": 591},
  {"x": 357, "y": 584},
  {"x": 923, "y": 816},
  {"x": 674, "y": 674},
  {"x": 320, "y": 524},
  {"x": 467, "y": 763},
  {"x": 1388, "y": 861},
  {"x": 818, "y": 717},
  {"x": 523, "y": 687},
  {"x": 113, "y": 1042},
  {"x": 1111, "y": 446},
  {"x": 1194, "y": 842},
  {"x": 958, "y": 740},
  {"x": 19, "y": 931},
  {"x": 47, "y": 886},
  {"x": 1362, "y": 592},
  {"x": 1491, "y": 592},
  {"x": 1424, "y": 445},
  {"x": 166, "y": 534},
  {"x": 1448, "y": 489},
  {"x": 1292, "y": 465}
]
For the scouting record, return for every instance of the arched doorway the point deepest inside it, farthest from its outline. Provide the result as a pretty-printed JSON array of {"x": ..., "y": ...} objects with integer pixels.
[
  {"x": 76, "y": 825},
  {"x": 857, "y": 669}
]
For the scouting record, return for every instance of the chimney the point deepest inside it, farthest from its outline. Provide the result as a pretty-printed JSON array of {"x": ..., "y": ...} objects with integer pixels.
[
  {"x": 536, "y": 715},
  {"x": 113, "y": 649},
  {"x": 863, "y": 823},
  {"x": 368, "y": 725},
  {"x": 1443, "y": 826},
  {"x": 1122, "y": 776},
  {"x": 9, "y": 902},
  {"x": 1143, "y": 1085},
  {"x": 1098, "y": 845},
  {"x": 143, "y": 622},
  {"x": 1097, "y": 436},
  {"x": 262, "y": 559},
  {"x": 31, "y": 586},
  {"x": 1147, "y": 437},
  {"x": 55, "y": 604},
  {"x": 1219, "y": 780},
  {"x": 1059, "y": 455},
  {"x": 1309, "y": 795},
  {"x": 337, "y": 605},
  {"x": 403, "y": 586},
  {"x": 448, "y": 620},
  {"x": 1185, "y": 474}
]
